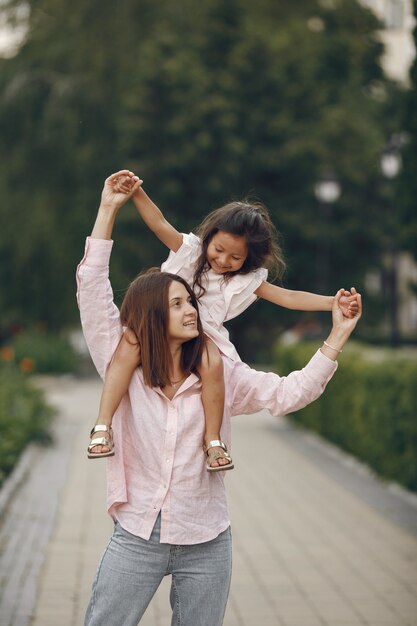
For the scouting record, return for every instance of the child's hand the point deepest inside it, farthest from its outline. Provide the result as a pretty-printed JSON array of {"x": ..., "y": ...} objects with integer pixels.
[
  {"x": 124, "y": 183},
  {"x": 340, "y": 320},
  {"x": 118, "y": 188},
  {"x": 349, "y": 303}
]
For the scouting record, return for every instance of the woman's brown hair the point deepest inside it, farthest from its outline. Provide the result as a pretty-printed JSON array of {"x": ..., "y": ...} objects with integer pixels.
[
  {"x": 145, "y": 311},
  {"x": 243, "y": 219}
]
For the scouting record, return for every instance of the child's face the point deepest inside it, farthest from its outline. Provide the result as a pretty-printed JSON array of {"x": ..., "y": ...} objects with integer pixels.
[{"x": 226, "y": 252}]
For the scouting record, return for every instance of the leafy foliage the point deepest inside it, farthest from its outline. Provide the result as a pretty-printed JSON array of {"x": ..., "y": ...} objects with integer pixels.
[
  {"x": 207, "y": 102},
  {"x": 49, "y": 354},
  {"x": 407, "y": 185},
  {"x": 368, "y": 409},
  {"x": 24, "y": 417}
]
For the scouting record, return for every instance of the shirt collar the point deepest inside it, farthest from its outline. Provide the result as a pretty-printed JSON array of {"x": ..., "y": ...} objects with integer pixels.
[{"x": 188, "y": 382}]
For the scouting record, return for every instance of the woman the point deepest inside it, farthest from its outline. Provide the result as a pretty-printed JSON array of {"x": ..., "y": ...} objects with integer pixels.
[{"x": 170, "y": 514}]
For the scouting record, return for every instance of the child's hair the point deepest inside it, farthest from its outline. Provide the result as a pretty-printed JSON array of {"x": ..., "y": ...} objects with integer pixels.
[
  {"x": 145, "y": 311},
  {"x": 244, "y": 219}
]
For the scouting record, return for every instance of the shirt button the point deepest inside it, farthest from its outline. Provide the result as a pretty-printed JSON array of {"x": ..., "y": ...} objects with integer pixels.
[{"x": 167, "y": 460}]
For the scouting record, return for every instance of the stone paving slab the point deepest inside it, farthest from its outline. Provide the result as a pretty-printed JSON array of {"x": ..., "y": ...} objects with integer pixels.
[{"x": 309, "y": 548}]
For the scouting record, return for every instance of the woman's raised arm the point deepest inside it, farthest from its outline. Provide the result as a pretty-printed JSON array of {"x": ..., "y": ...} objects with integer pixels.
[
  {"x": 111, "y": 201},
  {"x": 342, "y": 326}
]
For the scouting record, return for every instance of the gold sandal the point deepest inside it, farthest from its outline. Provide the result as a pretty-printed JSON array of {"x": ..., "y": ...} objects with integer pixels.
[
  {"x": 217, "y": 454},
  {"x": 101, "y": 441}
]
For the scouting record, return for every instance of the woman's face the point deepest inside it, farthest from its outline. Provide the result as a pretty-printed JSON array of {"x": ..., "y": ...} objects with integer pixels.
[{"x": 182, "y": 316}]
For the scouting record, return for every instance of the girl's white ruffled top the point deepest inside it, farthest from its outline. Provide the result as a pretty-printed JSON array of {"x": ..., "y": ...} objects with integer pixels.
[{"x": 223, "y": 300}]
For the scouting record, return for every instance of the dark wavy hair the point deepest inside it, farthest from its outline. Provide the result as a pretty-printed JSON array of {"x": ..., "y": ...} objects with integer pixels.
[
  {"x": 244, "y": 219},
  {"x": 145, "y": 311}
]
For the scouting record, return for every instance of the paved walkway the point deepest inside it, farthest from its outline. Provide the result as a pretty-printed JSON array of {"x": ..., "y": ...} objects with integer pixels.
[{"x": 317, "y": 540}]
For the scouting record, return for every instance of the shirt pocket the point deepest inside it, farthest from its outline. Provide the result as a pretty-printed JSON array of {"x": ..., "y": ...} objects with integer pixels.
[{"x": 191, "y": 421}]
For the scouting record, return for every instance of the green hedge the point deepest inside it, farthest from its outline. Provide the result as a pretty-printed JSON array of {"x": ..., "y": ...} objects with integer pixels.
[
  {"x": 24, "y": 416},
  {"x": 369, "y": 408},
  {"x": 40, "y": 352}
]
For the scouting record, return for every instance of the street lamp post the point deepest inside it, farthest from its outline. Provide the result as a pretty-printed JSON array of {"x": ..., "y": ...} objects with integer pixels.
[
  {"x": 391, "y": 163},
  {"x": 327, "y": 191}
]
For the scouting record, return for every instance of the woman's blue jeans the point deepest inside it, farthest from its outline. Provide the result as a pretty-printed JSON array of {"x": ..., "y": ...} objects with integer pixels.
[{"x": 132, "y": 569}]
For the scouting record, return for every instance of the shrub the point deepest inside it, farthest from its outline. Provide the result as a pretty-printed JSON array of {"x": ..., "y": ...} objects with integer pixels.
[
  {"x": 369, "y": 409},
  {"x": 42, "y": 353},
  {"x": 24, "y": 416}
]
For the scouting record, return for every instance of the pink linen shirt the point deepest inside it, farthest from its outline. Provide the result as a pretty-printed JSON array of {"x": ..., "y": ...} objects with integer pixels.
[{"x": 159, "y": 464}]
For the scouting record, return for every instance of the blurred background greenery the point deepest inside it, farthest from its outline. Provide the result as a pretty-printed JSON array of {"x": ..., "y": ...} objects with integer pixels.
[
  {"x": 206, "y": 101},
  {"x": 288, "y": 102}
]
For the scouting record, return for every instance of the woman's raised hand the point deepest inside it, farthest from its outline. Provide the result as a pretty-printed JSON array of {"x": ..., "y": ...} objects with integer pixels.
[
  {"x": 342, "y": 326},
  {"x": 118, "y": 188},
  {"x": 340, "y": 319},
  {"x": 348, "y": 303}
]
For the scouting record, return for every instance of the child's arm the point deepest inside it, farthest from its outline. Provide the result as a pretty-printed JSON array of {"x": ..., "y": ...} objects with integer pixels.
[
  {"x": 306, "y": 301},
  {"x": 155, "y": 220}
]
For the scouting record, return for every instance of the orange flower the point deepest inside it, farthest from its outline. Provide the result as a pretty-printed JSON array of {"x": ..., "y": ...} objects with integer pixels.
[
  {"x": 7, "y": 353},
  {"x": 27, "y": 365}
]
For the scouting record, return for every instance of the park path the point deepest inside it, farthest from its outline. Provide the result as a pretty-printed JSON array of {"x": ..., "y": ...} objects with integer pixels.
[{"x": 318, "y": 541}]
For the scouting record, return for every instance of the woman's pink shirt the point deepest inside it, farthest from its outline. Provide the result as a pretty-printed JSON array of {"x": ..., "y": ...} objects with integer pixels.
[{"x": 159, "y": 464}]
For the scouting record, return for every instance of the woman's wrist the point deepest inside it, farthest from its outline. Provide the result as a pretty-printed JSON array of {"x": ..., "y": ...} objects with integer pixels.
[
  {"x": 334, "y": 343},
  {"x": 103, "y": 226},
  {"x": 107, "y": 210}
]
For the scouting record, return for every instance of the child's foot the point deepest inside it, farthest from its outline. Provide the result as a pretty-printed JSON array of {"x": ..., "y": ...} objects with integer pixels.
[
  {"x": 101, "y": 447},
  {"x": 218, "y": 460}
]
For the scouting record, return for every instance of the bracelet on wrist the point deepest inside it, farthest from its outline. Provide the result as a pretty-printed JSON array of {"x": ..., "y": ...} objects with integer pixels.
[{"x": 331, "y": 347}]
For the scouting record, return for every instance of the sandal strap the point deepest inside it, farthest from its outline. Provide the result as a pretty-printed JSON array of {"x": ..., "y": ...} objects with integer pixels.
[
  {"x": 100, "y": 428},
  {"x": 217, "y": 454},
  {"x": 216, "y": 443},
  {"x": 100, "y": 441}
]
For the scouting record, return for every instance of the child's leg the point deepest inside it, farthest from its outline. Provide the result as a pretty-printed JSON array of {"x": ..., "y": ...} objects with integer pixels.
[
  {"x": 116, "y": 384},
  {"x": 212, "y": 396}
]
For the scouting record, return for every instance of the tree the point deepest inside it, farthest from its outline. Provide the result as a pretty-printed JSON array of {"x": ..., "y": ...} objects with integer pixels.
[
  {"x": 407, "y": 185},
  {"x": 206, "y": 101}
]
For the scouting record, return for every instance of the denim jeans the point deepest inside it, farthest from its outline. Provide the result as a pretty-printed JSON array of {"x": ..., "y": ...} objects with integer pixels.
[{"x": 132, "y": 569}]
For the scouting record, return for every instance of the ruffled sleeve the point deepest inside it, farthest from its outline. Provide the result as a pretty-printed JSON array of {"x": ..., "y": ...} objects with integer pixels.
[
  {"x": 239, "y": 292},
  {"x": 183, "y": 261}
]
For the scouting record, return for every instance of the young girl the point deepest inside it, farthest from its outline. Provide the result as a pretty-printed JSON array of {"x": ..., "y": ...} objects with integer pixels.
[{"x": 225, "y": 264}]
